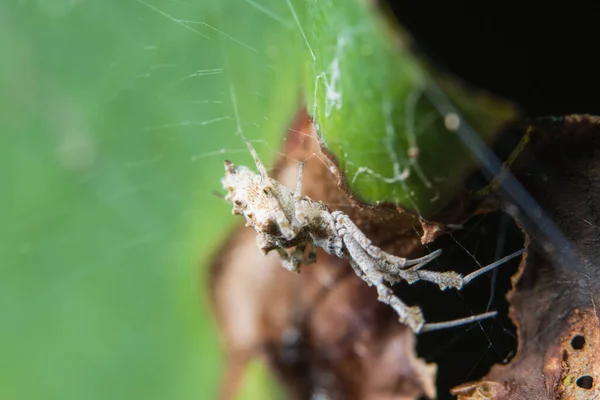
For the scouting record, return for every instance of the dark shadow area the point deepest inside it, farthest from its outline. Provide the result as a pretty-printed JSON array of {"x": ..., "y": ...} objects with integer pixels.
[
  {"x": 467, "y": 353},
  {"x": 544, "y": 59}
]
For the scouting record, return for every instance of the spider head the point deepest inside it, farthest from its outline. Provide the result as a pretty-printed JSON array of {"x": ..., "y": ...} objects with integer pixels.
[{"x": 263, "y": 201}]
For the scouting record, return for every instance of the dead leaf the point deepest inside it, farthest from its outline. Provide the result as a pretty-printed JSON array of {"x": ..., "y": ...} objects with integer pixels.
[{"x": 554, "y": 299}]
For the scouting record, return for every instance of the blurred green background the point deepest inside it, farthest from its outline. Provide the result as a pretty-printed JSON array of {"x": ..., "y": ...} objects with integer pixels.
[{"x": 116, "y": 117}]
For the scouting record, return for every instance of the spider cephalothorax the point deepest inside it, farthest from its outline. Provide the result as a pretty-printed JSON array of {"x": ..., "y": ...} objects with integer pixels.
[
  {"x": 281, "y": 218},
  {"x": 287, "y": 220}
]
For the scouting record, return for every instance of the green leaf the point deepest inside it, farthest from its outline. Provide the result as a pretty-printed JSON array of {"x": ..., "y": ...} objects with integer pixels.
[
  {"x": 372, "y": 101},
  {"x": 116, "y": 117}
]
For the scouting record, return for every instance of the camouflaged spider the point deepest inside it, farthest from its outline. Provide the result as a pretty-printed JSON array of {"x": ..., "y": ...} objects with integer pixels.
[{"x": 283, "y": 220}]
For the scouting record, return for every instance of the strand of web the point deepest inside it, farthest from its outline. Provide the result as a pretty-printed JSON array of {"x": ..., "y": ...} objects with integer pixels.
[
  {"x": 239, "y": 131},
  {"x": 500, "y": 242},
  {"x": 399, "y": 175},
  {"x": 480, "y": 271},
  {"x": 200, "y": 72},
  {"x": 291, "y": 6},
  {"x": 197, "y": 73},
  {"x": 329, "y": 165},
  {"x": 184, "y": 23},
  {"x": 325, "y": 161},
  {"x": 394, "y": 157},
  {"x": 270, "y": 13},
  {"x": 331, "y": 92},
  {"x": 333, "y": 99},
  {"x": 473, "y": 318},
  {"x": 550, "y": 236},
  {"x": 410, "y": 132}
]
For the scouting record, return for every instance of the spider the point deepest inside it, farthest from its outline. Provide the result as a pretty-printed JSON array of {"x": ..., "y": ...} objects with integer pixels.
[{"x": 285, "y": 220}]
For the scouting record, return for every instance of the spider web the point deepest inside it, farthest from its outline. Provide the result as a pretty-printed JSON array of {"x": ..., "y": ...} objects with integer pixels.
[
  {"x": 116, "y": 119},
  {"x": 210, "y": 118},
  {"x": 223, "y": 113}
]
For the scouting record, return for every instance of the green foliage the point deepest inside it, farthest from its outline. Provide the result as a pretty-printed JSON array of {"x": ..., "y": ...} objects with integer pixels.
[
  {"x": 113, "y": 119},
  {"x": 371, "y": 102}
]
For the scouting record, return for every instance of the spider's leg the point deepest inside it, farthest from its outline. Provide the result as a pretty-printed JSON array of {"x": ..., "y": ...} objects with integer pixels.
[
  {"x": 393, "y": 262},
  {"x": 436, "y": 326},
  {"x": 389, "y": 266},
  {"x": 343, "y": 221},
  {"x": 392, "y": 268},
  {"x": 362, "y": 262},
  {"x": 424, "y": 263},
  {"x": 298, "y": 191},
  {"x": 493, "y": 265},
  {"x": 259, "y": 165},
  {"x": 442, "y": 279}
]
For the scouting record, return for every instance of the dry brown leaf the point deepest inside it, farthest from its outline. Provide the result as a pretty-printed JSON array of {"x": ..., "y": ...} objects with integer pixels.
[{"x": 554, "y": 300}]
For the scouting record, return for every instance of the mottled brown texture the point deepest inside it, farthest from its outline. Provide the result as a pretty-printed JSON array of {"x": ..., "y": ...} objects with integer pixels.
[{"x": 580, "y": 357}]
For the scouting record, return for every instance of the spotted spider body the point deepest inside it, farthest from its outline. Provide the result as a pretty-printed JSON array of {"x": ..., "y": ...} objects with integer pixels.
[
  {"x": 285, "y": 220},
  {"x": 282, "y": 219}
]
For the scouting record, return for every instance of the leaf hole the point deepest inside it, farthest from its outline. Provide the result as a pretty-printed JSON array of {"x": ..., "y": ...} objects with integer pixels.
[
  {"x": 585, "y": 382},
  {"x": 578, "y": 342},
  {"x": 467, "y": 352}
]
